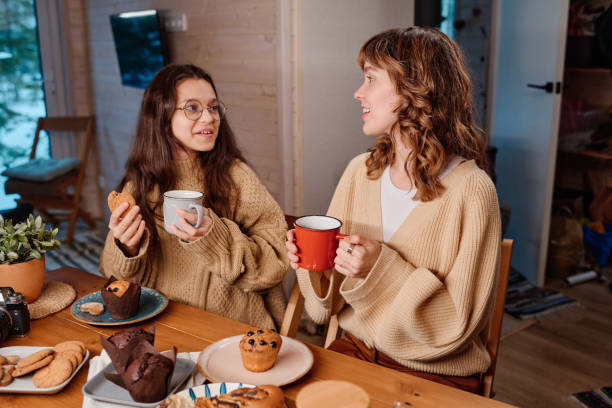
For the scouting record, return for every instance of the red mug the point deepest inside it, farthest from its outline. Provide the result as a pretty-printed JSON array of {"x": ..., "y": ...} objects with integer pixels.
[{"x": 316, "y": 237}]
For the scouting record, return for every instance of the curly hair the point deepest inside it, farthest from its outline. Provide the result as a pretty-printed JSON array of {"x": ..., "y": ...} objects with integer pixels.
[
  {"x": 149, "y": 164},
  {"x": 435, "y": 118}
]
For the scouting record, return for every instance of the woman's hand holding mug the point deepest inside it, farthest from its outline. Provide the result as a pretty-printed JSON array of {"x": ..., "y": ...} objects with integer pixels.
[
  {"x": 127, "y": 230},
  {"x": 292, "y": 249},
  {"x": 356, "y": 256},
  {"x": 188, "y": 221},
  {"x": 184, "y": 214},
  {"x": 316, "y": 239}
]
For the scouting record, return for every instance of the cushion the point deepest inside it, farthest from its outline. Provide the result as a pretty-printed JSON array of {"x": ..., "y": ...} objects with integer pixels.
[{"x": 42, "y": 170}]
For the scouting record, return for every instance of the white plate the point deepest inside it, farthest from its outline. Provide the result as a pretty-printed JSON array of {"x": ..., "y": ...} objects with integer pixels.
[
  {"x": 212, "y": 390},
  {"x": 221, "y": 361},
  {"x": 24, "y": 385}
]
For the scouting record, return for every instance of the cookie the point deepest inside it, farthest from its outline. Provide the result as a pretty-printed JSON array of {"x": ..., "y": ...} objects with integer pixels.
[
  {"x": 3, "y": 360},
  {"x": 93, "y": 308},
  {"x": 75, "y": 345},
  {"x": 54, "y": 374},
  {"x": 115, "y": 199},
  {"x": 12, "y": 359},
  {"x": 34, "y": 357},
  {"x": 74, "y": 357},
  {"x": 5, "y": 378},
  {"x": 8, "y": 369},
  {"x": 19, "y": 371}
]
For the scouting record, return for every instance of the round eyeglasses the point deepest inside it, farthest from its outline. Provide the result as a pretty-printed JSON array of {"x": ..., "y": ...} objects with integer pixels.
[{"x": 193, "y": 110}]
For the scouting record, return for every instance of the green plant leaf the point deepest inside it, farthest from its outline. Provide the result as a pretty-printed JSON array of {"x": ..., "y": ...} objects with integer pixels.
[{"x": 25, "y": 240}]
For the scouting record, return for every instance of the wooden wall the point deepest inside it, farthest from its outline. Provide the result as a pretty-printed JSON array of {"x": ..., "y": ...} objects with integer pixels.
[
  {"x": 80, "y": 93},
  {"x": 234, "y": 40}
]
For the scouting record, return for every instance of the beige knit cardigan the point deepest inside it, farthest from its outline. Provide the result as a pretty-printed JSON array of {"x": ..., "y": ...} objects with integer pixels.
[
  {"x": 235, "y": 270},
  {"x": 427, "y": 300}
]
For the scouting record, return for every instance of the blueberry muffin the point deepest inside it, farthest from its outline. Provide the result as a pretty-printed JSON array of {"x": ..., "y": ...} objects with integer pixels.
[{"x": 259, "y": 349}]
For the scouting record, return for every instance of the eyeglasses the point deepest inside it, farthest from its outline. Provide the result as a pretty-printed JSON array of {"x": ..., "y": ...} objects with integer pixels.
[{"x": 193, "y": 110}]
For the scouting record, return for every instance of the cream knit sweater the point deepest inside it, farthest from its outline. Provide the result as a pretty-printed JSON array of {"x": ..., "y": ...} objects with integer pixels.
[
  {"x": 235, "y": 270},
  {"x": 427, "y": 300}
]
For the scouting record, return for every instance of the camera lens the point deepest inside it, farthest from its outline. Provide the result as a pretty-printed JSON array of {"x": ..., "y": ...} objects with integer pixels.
[{"x": 6, "y": 322}]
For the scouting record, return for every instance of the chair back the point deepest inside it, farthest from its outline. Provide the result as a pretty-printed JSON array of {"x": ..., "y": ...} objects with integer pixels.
[
  {"x": 66, "y": 124},
  {"x": 497, "y": 316},
  {"x": 295, "y": 304},
  {"x": 59, "y": 191}
]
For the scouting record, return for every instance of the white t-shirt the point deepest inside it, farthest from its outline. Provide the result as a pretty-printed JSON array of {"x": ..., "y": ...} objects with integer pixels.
[{"x": 396, "y": 203}]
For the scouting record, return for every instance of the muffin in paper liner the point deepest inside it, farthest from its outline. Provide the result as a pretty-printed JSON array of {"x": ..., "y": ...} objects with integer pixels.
[
  {"x": 148, "y": 373},
  {"x": 120, "y": 346},
  {"x": 121, "y": 305}
]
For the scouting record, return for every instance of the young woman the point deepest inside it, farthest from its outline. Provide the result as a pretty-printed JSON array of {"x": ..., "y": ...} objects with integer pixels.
[
  {"x": 413, "y": 284},
  {"x": 234, "y": 262}
]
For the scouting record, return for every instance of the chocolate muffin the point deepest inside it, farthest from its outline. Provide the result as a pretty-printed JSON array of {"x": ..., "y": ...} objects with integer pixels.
[
  {"x": 144, "y": 372},
  {"x": 122, "y": 298},
  {"x": 148, "y": 376},
  {"x": 121, "y": 345},
  {"x": 259, "y": 349},
  {"x": 124, "y": 337}
]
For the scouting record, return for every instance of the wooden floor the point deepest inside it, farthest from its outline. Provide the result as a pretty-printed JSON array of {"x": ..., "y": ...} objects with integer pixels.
[{"x": 564, "y": 352}]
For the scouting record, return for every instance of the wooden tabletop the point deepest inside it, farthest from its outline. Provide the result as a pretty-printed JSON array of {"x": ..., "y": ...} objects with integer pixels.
[{"x": 191, "y": 329}]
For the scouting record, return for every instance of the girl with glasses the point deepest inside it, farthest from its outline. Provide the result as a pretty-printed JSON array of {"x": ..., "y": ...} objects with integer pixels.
[
  {"x": 234, "y": 262},
  {"x": 413, "y": 284}
]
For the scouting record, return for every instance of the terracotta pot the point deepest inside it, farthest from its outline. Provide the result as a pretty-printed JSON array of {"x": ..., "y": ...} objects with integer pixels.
[{"x": 25, "y": 277}]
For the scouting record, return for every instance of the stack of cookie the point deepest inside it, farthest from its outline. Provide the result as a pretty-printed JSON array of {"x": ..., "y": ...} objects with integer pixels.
[{"x": 51, "y": 366}]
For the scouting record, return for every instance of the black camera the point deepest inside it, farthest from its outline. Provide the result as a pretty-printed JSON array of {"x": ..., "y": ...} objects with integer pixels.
[{"x": 14, "y": 314}]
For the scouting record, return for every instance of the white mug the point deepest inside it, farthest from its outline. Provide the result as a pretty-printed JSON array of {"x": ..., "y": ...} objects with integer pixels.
[{"x": 187, "y": 200}]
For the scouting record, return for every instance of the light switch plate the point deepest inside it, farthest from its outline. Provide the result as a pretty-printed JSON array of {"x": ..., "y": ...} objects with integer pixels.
[{"x": 175, "y": 22}]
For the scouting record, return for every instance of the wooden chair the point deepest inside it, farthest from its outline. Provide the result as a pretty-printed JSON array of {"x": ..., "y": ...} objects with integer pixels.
[
  {"x": 295, "y": 308},
  {"x": 44, "y": 193},
  {"x": 497, "y": 316},
  {"x": 295, "y": 305}
]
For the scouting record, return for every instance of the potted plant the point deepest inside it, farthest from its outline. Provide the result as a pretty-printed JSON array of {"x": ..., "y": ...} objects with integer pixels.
[{"x": 22, "y": 255}]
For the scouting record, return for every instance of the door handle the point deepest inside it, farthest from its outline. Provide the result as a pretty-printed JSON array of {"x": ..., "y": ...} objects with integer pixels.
[{"x": 548, "y": 87}]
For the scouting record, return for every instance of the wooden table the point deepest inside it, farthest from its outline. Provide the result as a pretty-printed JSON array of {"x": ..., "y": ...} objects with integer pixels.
[{"x": 191, "y": 329}]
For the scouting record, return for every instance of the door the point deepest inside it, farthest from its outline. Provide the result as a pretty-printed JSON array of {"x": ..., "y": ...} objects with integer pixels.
[
  {"x": 22, "y": 100},
  {"x": 529, "y": 48}
]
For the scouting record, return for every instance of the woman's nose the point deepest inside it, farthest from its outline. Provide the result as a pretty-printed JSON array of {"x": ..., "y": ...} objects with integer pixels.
[
  {"x": 358, "y": 94},
  {"x": 206, "y": 116}
]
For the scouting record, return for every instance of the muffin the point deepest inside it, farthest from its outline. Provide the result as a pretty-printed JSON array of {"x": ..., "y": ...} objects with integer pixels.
[
  {"x": 141, "y": 369},
  {"x": 259, "y": 349},
  {"x": 263, "y": 396},
  {"x": 147, "y": 378},
  {"x": 122, "y": 298},
  {"x": 120, "y": 346},
  {"x": 123, "y": 338}
]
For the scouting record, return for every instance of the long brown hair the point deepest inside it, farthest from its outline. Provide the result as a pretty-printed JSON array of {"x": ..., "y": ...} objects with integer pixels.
[
  {"x": 435, "y": 118},
  {"x": 149, "y": 165}
]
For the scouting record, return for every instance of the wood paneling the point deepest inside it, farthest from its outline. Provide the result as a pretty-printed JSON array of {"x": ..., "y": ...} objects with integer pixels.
[{"x": 81, "y": 94}]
